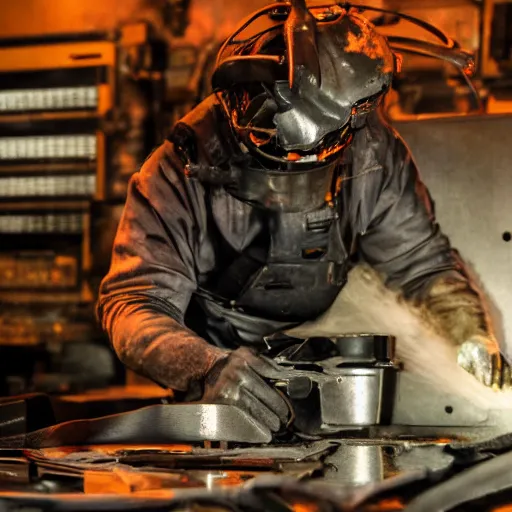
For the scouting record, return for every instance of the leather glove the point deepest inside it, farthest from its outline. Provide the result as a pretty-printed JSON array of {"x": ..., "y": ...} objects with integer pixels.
[
  {"x": 481, "y": 357},
  {"x": 237, "y": 380}
]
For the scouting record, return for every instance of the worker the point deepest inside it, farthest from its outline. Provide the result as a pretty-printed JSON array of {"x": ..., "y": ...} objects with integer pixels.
[{"x": 246, "y": 221}]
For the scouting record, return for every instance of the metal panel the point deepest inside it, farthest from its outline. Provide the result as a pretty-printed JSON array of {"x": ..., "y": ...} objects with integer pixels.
[
  {"x": 467, "y": 165},
  {"x": 192, "y": 422},
  {"x": 419, "y": 403},
  {"x": 489, "y": 66}
]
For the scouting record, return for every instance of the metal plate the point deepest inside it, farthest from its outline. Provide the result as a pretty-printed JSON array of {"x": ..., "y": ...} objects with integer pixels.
[
  {"x": 153, "y": 424},
  {"x": 185, "y": 422},
  {"x": 419, "y": 403},
  {"x": 466, "y": 163}
]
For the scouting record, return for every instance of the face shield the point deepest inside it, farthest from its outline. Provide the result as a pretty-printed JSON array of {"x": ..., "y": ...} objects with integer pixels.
[
  {"x": 294, "y": 92},
  {"x": 292, "y": 177}
]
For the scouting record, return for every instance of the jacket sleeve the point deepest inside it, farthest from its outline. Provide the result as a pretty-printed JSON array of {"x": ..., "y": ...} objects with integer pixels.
[
  {"x": 144, "y": 297},
  {"x": 405, "y": 244}
]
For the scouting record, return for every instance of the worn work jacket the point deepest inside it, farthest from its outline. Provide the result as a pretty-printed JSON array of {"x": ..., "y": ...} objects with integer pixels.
[{"x": 159, "y": 304}]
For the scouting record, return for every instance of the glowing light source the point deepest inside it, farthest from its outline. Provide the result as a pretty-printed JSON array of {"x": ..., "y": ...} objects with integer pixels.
[
  {"x": 48, "y": 146},
  {"x": 57, "y": 98},
  {"x": 37, "y": 186},
  {"x": 44, "y": 223}
]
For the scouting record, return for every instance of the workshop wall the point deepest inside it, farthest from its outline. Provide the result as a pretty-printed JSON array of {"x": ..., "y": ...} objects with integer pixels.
[
  {"x": 211, "y": 20},
  {"x": 207, "y": 17},
  {"x": 52, "y": 16}
]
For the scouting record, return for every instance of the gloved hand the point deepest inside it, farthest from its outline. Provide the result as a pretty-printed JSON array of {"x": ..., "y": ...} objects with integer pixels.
[
  {"x": 481, "y": 357},
  {"x": 237, "y": 380}
]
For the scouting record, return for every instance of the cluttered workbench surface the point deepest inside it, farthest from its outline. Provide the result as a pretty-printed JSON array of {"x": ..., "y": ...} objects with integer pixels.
[{"x": 135, "y": 448}]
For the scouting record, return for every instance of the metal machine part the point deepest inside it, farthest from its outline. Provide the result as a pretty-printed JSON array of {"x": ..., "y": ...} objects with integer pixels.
[
  {"x": 419, "y": 403},
  {"x": 291, "y": 191},
  {"x": 467, "y": 172},
  {"x": 115, "y": 481},
  {"x": 353, "y": 465},
  {"x": 336, "y": 384},
  {"x": 152, "y": 424},
  {"x": 161, "y": 449},
  {"x": 489, "y": 477}
]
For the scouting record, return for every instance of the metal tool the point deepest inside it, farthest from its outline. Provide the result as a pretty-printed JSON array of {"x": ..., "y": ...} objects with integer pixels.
[
  {"x": 336, "y": 384},
  {"x": 152, "y": 424}
]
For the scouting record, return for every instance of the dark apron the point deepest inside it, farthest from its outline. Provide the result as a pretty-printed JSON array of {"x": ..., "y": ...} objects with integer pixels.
[{"x": 290, "y": 274}]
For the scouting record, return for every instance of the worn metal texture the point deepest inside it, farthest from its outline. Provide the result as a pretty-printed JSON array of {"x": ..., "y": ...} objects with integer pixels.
[
  {"x": 466, "y": 162},
  {"x": 355, "y": 465},
  {"x": 347, "y": 464},
  {"x": 422, "y": 410},
  {"x": 285, "y": 191},
  {"x": 153, "y": 424},
  {"x": 369, "y": 464},
  {"x": 482, "y": 481},
  {"x": 352, "y": 472},
  {"x": 335, "y": 385},
  {"x": 180, "y": 456},
  {"x": 334, "y": 399},
  {"x": 419, "y": 403}
]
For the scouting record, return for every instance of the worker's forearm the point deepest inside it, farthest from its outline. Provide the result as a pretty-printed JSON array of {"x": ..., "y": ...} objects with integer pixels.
[
  {"x": 456, "y": 309},
  {"x": 154, "y": 344}
]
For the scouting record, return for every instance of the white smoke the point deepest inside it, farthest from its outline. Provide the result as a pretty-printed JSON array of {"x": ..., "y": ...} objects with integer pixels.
[{"x": 366, "y": 306}]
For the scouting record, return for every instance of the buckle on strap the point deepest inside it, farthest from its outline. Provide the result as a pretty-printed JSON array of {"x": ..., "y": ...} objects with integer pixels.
[{"x": 321, "y": 220}]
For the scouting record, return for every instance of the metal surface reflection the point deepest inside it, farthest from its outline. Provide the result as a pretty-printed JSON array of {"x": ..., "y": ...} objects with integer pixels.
[{"x": 355, "y": 465}]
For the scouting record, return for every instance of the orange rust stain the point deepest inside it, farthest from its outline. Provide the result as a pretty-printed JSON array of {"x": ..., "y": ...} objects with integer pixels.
[
  {"x": 305, "y": 507},
  {"x": 370, "y": 43},
  {"x": 257, "y": 141},
  {"x": 263, "y": 462},
  {"x": 127, "y": 482},
  {"x": 120, "y": 392},
  {"x": 115, "y": 448},
  {"x": 337, "y": 187},
  {"x": 119, "y": 482},
  {"x": 334, "y": 149},
  {"x": 399, "y": 59},
  {"x": 363, "y": 44},
  {"x": 387, "y": 505},
  {"x": 234, "y": 478},
  {"x": 308, "y": 252},
  {"x": 111, "y": 449},
  {"x": 155, "y": 493},
  {"x": 327, "y": 152}
]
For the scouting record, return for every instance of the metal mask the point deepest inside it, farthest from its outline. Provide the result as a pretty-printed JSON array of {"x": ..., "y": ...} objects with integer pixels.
[{"x": 295, "y": 92}]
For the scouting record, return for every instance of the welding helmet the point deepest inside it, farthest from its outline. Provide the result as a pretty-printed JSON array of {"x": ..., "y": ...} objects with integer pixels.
[{"x": 294, "y": 93}]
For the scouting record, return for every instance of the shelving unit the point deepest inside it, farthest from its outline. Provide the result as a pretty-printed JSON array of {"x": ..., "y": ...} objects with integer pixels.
[{"x": 55, "y": 100}]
